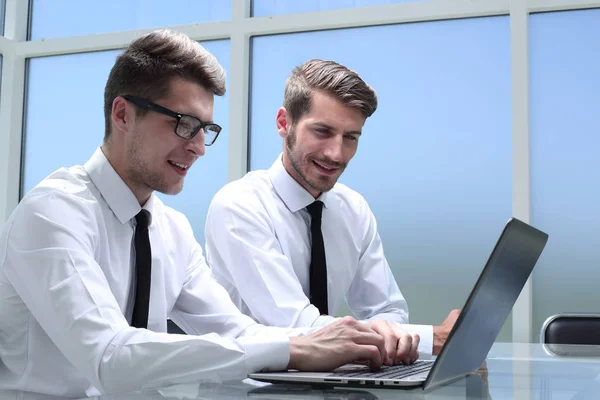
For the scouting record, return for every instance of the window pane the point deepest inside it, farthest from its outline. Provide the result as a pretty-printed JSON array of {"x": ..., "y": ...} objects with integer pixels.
[
  {"x": 434, "y": 161},
  {"x": 65, "y": 124},
  {"x": 61, "y": 18},
  {"x": 565, "y": 167},
  {"x": 261, "y": 8},
  {"x": 2, "y": 10}
]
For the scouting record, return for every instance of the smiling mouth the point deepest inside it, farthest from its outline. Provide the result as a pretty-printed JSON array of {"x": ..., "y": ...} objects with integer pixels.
[
  {"x": 182, "y": 167},
  {"x": 324, "y": 166},
  {"x": 325, "y": 169}
]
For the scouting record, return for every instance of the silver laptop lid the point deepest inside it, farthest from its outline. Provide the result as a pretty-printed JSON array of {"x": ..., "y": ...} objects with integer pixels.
[{"x": 490, "y": 302}]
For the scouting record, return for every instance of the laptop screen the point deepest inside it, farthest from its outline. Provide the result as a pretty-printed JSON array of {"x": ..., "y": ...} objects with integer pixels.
[{"x": 490, "y": 302}]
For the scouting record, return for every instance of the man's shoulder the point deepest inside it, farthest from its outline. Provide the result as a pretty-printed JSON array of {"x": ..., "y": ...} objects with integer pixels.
[
  {"x": 65, "y": 184},
  {"x": 63, "y": 199},
  {"x": 252, "y": 187}
]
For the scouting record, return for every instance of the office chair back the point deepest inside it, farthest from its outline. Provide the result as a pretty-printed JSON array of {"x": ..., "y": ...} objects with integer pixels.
[{"x": 572, "y": 328}]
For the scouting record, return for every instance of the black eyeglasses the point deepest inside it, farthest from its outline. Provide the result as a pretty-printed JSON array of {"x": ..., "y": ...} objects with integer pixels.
[{"x": 187, "y": 125}]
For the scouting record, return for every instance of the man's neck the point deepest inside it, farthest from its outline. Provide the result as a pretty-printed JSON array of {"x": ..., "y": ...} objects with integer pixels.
[
  {"x": 142, "y": 195},
  {"x": 295, "y": 176}
]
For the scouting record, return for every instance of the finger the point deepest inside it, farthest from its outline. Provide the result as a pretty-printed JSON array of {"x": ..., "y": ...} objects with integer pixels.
[
  {"x": 415, "y": 347},
  {"x": 390, "y": 340},
  {"x": 371, "y": 338},
  {"x": 403, "y": 348},
  {"x": 369, "y": 354},
  {"x": 412, "y": 352}
]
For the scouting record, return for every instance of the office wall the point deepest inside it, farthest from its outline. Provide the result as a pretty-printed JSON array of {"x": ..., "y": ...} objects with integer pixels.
[{"x": 455, "y": 163}]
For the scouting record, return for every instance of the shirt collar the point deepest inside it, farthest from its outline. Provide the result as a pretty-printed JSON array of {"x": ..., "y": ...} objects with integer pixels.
[
  {"x": 294, "y": 196},
  {"x": 115, "y": 191}
]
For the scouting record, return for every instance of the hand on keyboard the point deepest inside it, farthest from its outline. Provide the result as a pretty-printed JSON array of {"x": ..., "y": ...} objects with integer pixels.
[
  {"x": 341, "y": 342},
  {"x": 401, "y": 347}
]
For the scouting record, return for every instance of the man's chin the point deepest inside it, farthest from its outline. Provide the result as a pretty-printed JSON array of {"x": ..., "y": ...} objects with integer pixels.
[
  {"x": 324, "y": 186},
  {"x": 170, "y": 190}
]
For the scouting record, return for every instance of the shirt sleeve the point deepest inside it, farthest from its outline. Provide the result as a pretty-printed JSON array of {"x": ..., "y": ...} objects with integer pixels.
[
  {"x": 204, "y": 307},
  {"x": 374, "y": 293},
  {"x": 50, "y": 246},
  {"x": 245, "y": 254}
]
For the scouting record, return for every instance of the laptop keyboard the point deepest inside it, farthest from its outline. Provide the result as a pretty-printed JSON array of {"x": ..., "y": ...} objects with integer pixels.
[{"x": 393, "y": 372}]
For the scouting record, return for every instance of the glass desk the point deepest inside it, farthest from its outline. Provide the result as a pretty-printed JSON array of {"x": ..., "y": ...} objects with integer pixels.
[{"x": 511, "y": 371}]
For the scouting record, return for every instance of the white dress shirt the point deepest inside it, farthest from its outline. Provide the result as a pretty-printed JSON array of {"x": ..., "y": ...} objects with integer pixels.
[
  {"x": 259, "y": 247},
  {"x": 65, "y": 280}
]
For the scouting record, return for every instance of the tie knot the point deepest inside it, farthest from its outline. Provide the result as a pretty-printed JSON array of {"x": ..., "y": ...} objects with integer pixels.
[
  {"x": 143, "y": 219},
  {"x": 315, "y": 209}
]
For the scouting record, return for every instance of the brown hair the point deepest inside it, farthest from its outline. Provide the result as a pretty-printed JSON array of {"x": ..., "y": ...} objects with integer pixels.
[
  {"x": 148, "y": 65},
  {"x": 329, "y": 77}
]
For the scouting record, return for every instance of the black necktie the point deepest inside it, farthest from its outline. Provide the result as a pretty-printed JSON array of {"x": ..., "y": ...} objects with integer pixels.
[
  {"x": 143, "y": 269},
  {"x": 318, "y": 265}
]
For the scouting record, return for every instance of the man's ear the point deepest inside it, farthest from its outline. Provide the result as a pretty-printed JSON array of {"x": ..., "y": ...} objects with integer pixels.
[
  {"x": 283, "y": 122},
  {"x": 121, "y": 115}
]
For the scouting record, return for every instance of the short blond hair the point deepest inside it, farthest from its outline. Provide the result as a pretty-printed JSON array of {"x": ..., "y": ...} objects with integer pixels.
[{"x": 332, "y": 78}]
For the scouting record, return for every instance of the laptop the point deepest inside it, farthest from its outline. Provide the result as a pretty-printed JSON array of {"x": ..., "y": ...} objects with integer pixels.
[{"x": 475, "y": 331}]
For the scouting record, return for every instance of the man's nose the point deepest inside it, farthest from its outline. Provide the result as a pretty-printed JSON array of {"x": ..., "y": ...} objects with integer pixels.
[
  {"x": 334, "y": 149},
  {"x": 196, "y": 144}
]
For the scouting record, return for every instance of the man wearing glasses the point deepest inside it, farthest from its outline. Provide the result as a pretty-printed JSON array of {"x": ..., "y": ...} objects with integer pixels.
[
  {"x": 290, "y": 244},
  {"x": 92, "y": 263}
]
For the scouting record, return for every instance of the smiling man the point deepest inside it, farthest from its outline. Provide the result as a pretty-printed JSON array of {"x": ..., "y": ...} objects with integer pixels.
[
  {"x": 92, "y": 263},
  {"x": 290, "y": 243}
]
